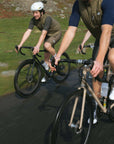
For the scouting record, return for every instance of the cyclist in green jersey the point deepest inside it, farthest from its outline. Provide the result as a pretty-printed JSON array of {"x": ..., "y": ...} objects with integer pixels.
[{"x": 50, "y": 32}]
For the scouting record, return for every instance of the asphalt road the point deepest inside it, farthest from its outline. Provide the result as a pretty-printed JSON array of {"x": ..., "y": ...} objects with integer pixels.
[{"x": 29, "y": 121}]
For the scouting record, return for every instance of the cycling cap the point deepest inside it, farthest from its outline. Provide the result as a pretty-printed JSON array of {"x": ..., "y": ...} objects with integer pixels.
[{"x": 37, "y": 6}]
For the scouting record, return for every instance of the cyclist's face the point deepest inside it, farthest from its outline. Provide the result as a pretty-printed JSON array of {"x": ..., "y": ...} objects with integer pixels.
[{"x": 36, "y": 14}]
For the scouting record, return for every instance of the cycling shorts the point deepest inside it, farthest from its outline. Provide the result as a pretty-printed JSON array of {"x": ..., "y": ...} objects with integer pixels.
[{"x": 53, "y": 39}]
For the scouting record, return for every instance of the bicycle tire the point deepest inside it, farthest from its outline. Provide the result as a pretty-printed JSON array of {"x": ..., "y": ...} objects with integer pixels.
[
  {"x": 111, "y": 111},
  {"x": 25, "y": 82},
  {"x": 63, "y": 70},
  {"x": 68, "y": 135}
]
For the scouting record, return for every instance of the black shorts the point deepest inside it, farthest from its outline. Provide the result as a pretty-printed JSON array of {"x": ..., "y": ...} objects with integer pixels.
[{"x": 96, "y": 48}]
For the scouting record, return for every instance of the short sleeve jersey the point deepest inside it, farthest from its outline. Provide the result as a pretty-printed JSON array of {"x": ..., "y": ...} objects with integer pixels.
[
  {"x": 107, "y": 8},
  {"x": 46, "y": 25}
]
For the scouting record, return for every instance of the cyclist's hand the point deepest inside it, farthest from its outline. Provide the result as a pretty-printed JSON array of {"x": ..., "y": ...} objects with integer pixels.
[
  {"x": 17, "y": 50},
  {"x": 80, "y": 48},
  {"x": 57, "y": 59},
  {"x": 36, "y": 50},
  {"x": 97, "y": 68},
  {"x": 51, "y": 67}
]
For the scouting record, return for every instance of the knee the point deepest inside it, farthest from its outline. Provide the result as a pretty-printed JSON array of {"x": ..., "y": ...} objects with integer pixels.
[{"x": 47, "y": 45}]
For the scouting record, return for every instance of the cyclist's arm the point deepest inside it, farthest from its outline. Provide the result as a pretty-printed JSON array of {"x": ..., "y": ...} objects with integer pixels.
[
  {"x": 70, "y": 33},
  {"x": 106, "y": 27},
  {"x": 46, "y": 27},
  {"x": 40, "y": 41},
  {"x": 24, "y": 38},
  {"x": 86, "y": 37},
  {"x": 67, "y": 39}
]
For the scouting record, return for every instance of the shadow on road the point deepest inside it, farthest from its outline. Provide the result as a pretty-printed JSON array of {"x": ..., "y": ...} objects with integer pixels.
[{"x": 29, "y": 121}]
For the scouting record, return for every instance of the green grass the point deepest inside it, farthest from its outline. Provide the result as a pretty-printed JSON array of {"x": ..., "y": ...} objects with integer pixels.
[{"x": 11, "y": 32}]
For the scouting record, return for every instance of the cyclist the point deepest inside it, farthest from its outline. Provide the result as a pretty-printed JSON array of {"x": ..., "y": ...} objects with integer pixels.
[
  {"x": 98, "y": 16},
  {"x": 50, "y": 35}
]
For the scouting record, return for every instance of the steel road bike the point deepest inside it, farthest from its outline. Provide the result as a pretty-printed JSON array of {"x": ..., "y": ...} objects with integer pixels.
[
  {"x": 71, "y": 123},
  {"x": 28, "y": 75}
]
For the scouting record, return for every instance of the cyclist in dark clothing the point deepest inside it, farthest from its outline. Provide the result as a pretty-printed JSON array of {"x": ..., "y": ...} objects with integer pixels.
[
  {"x": 51, "y": 32},
  {"x": 98, "y": 16}
]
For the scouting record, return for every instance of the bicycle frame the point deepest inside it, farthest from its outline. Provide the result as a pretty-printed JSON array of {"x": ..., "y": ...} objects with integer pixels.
[
  {"x": 38, "y": 61},
  {"x": 85, "y": 86}
]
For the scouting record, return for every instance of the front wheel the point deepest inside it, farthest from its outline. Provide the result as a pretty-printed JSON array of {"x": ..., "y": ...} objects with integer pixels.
[
  {"x": 63, "y": 70},
  {"x": 62, "y": 133},
  {"x": 27, "y": 78},
  {"x": 111, "y": 111}
]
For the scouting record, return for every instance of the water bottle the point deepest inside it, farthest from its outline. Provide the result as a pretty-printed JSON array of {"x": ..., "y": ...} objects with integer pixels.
[
  {"x": 104, "y": 103},
  {"x": 104, "y": 89}
]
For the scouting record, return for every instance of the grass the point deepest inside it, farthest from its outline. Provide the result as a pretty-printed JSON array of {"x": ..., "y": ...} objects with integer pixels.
[{"x": 11, "y": 33}]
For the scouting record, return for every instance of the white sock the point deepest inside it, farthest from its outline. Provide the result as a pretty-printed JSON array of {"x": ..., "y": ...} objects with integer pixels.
[{"x": 54, "y": 55}]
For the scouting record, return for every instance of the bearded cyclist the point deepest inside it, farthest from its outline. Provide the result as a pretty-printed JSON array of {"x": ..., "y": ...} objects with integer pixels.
[
  {"x": 98, "y": 16},
  {"x": 51, "y": 32}
]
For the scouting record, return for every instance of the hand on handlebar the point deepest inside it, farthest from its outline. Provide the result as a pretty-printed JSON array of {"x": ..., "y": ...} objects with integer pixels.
[
  {"x": 97, "y": 68},
  {"x": 17, "y": 48},
  {"x": 36, "y": 50},
  {"x": 54, "y": 63},
  {"x": 57, "y": 59}
]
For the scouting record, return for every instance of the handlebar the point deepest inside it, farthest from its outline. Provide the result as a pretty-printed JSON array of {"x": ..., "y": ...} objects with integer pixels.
[
  {"x": 28, "y": 47},
  {"x": 88, "y": 62},
  {"x": 79, "y": 61}
]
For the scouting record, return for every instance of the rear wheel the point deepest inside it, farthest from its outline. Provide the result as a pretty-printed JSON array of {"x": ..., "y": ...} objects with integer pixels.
[
  {"x": 62, "y": 133},
  {"x": 27, "y": 78},
  {"x": 63, "y": 70}
]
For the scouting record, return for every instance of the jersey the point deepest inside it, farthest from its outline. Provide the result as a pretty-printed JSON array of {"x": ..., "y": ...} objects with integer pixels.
[
  {"x": 47, "y": 23},
  {"x": 107, "y": 17}
]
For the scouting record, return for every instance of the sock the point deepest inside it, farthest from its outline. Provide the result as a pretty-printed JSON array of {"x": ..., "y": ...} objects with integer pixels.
[{"x": 54, "y": 55}]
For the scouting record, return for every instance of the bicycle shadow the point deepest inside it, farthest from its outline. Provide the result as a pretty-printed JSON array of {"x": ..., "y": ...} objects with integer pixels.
[{"x": 55, "y": 92}]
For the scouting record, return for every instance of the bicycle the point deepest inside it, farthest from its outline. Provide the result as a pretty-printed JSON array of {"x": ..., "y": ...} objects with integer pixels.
[
  {"x": 71, "y": 123},
  {"x": 28, "y": 75}
]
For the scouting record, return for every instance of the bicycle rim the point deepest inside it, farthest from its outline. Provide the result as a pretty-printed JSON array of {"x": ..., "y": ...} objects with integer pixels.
[
  {"x": 27, "y": 78},
  {"x": 63, "y": 70},
  {"x": 62, "y": 133}
]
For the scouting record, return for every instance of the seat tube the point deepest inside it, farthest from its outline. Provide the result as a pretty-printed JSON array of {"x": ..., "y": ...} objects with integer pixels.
[
  {"x": 73, "y": 111},
  {"x": 83, "y": 106}
]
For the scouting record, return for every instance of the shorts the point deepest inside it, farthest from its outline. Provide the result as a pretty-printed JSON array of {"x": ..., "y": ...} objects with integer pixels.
[
  {"x": 96, "y": 48},
  {"x": 54, "y": 38}
]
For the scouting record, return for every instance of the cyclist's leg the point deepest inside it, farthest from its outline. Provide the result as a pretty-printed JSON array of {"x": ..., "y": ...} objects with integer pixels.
[{"x": 49, "y": 45}]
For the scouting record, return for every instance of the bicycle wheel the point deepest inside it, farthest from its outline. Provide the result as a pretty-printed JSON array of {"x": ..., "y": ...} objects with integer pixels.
[
  {"x": 62, "y": 133},
  {"x": 63, "y": 70},
  {"x": 111, "y": 111},
  {"x": 27, "y": 78}
]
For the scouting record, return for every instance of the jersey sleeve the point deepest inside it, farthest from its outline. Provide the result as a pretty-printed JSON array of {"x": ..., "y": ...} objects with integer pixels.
[
  {"x": 31, "y": 24},
  {"x": 108, "y": 12},
  {"x": 75, "y": 15},
  {"x": 47, "y": 24}
]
